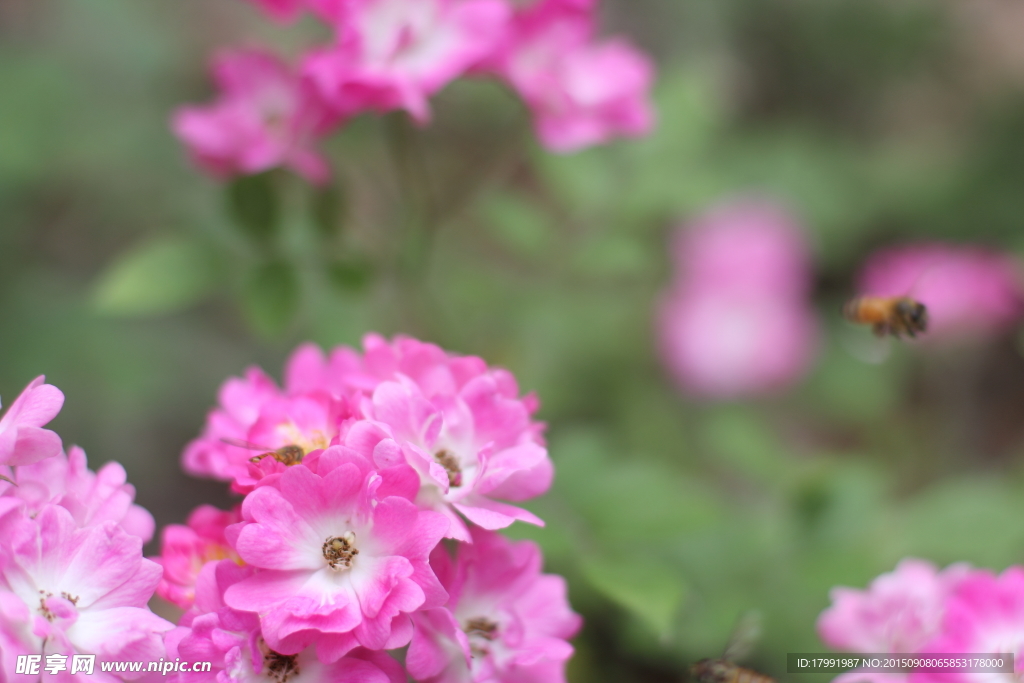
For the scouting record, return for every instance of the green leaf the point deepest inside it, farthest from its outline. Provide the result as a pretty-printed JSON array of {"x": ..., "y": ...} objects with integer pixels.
[
  {"x": 271, "y": 297},
  {"x": 604, "y": 489},
  {"x": 159, "y": 277},
  {"x": 965, "y": 519},
  {"x": 254, "y": 206},
  {"x": 327, "y": 209},
  {"x": 351, "y": 274},
  {"x": 741, "y": 440},
  {"x": 611, "y": 256},
  {"x": 651, "y": 590}
]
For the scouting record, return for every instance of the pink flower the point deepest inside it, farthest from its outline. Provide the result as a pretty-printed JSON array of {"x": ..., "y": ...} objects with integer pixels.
[
  {"x": 434, "y": 370},
  {"x": 66, "y": 590},
  {"x": 288, "y": 10},
  {"x": 341, "y": 374},
  {"x": 984, "y": 613},
  {"x": 462, "y": 428},
  {"x": 91, "y": 497},
  {"x": 16, "y": 635},
  {"x": 969, "y": 291},
  {"x": 570, "y": 5},
  {"x": 339, "y": 565},
  {"x": 858, "y": 676},
  {"x": 281, "y": 10},
  {"x": 752, "y": 245},
  {"x": 22, "y": 439},
  {"x": 185, "y": 550},
  {"x": 469, "y": 449},
  {"x": 737, "y": 320},
  {"x": 459, "y": 424},
  {"x": 899, "y": 613},
  {"x": 395, "y": 54},
  {"x": 728, "y": 345},
  {"x": 230, "y": 640},
  {"x": 505, "y": 621},
  {"x": 255, "y": 417},
  {"x": 581, "y": 92},
  {"x": 265, "y": 116}
]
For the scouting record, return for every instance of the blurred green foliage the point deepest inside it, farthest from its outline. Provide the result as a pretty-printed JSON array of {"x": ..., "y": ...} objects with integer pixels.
[
  {"x": 138, "y": 285},
  {"x": 159, "y": 277}
]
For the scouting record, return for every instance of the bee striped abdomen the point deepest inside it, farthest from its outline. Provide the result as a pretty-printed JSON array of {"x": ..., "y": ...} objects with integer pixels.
[{"x": 867, "y": 310}]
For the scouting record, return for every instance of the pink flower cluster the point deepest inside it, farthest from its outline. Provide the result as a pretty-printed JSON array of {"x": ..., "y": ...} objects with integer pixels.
[
  {"x": 969, "y": 291},
  {"x": 72, "y": 576},
  {"x": 920, "y": 609},
  {"x": 395, "y": 54},
  {"x": 737, "y": 318},
  {"x": 354, "y": 473}
]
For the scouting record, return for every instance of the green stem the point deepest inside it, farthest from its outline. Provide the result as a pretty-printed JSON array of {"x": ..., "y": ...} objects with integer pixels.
[
  {"x": 505, "y": 162},
  {"x": 418, "y": 214}
]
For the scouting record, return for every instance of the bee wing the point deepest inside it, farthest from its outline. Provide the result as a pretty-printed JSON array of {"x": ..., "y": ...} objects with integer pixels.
[
  {"x": 867, "y": 348},
  {"x": 248, "y": 445},
  {"x": 746, "y": 633}
]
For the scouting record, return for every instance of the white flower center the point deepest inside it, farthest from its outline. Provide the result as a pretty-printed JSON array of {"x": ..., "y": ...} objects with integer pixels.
[{"x": 306, "y": 441}]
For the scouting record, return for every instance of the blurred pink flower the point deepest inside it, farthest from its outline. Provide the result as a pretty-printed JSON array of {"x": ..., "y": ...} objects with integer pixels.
[
  {"x": 91, "y": 497},
  {"x": 230, "y": 640},
  {"x": 265, "y": 116},
  {"x": 858, "y": 676},
  {"x": 281, "y": 10},
  {"x": 985, "y": 613},
  {"x": 898, "y": 613},
  {"x": 67, "y": 590},
  {"x": 395, "y": 54},
  {"x": 185, "y": 550},
  {"x": 584, "y": 6},
  {"x": 737, "y": 319},
  {"x": 505, "y": 621},
  {"x": 22, "y": 439},
  {"x": 750, "y": 245},
  {"x": 339, "y": 565},
  {"x": 581, "y": 92},
  {"x": 968, "y": 290},
  {"x": 728, "y": 345}
]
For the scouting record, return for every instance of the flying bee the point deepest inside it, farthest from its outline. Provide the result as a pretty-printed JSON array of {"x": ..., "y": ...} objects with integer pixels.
[
  {"x": 895, "y": 315},
  {"x": 723, "y": 669},
  {"x": 286, "y": 455}
]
